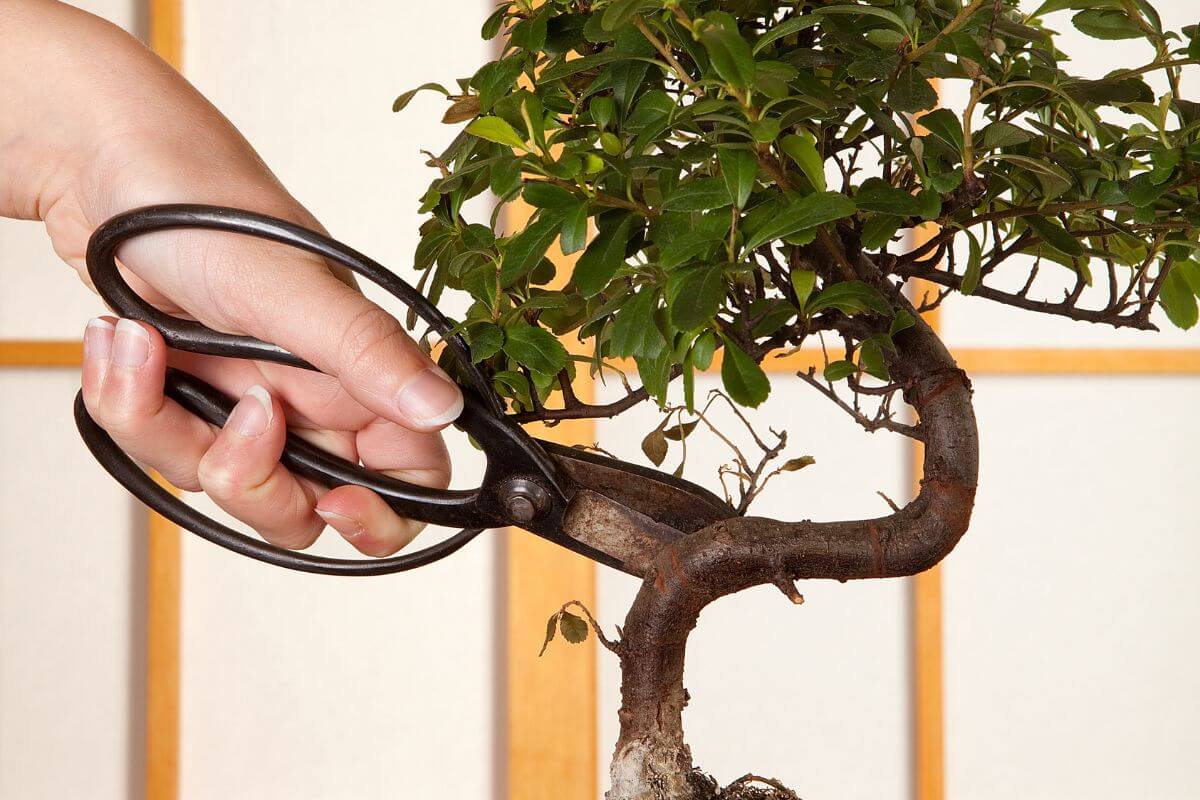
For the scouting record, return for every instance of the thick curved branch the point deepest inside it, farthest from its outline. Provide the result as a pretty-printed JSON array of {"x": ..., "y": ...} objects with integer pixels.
[{"x": 743, "y": 552}]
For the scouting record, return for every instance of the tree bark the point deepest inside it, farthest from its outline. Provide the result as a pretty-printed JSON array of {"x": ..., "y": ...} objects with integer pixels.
[{"x": 652, "y": 761}]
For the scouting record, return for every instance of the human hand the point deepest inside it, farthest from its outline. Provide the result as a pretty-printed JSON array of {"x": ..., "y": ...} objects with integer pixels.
[{"x": 151, "y": 138}]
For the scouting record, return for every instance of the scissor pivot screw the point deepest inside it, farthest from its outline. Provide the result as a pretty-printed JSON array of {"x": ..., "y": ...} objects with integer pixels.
[{"x": 524, "y": 500}]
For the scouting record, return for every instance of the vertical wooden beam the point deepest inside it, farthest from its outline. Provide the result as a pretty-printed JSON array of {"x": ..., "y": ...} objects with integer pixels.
[
  {"x": 162, "y": 658},
  {"x": 165, "y": 36},
  {"x": 551, "y": 722},
  {"x": 928, "y": 752}
]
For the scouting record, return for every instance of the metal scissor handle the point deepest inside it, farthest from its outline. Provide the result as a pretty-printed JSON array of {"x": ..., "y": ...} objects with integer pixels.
[{"x": 521, "y": 484}]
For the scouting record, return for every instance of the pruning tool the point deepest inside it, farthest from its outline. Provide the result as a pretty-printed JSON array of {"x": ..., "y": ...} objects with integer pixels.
[{"x": 613, "y": 512}]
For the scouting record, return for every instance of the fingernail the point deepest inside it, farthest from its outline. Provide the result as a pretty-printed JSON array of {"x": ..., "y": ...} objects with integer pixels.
[
  {"x": 98, "y": 339},
  {"x": 430, "y": 398},
  {"x": 347, "y": 526},
  {"x": 252, "y": 415},
  {"x": 131, "y": 346}
]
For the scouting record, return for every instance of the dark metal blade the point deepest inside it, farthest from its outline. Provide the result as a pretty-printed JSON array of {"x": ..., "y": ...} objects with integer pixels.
[{"x": 630, "y": 512}]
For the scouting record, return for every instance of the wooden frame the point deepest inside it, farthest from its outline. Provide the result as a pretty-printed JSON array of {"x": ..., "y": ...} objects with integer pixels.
[{"x": 549, "y": 727}]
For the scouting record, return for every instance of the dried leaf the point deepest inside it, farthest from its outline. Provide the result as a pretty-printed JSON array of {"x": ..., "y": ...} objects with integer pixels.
[
  {"x": 677, "y": 433},
  {"x": 794, "y": 464},
  {"x": 655, "y": 446}
]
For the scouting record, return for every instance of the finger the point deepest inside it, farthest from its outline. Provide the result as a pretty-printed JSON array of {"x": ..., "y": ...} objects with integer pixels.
[
  {"x": 366, "y": 521},
  {"x": 242, "y": 474},
  {"x": 361, "y": 516},
  {"x": 124, "y": 367},
  {"x": 297, "y": 302}
]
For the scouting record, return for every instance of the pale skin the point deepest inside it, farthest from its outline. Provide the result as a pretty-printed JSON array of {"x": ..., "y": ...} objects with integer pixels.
[{"x": 95, "y": 124}]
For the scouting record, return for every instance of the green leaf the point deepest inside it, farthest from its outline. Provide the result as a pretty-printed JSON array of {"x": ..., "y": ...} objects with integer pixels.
[
  {"x": 547, "y": 195},
  {"x": 526, "y": 249},
  {"x": 1055, "y": 236},
  {"x": 765, "y": 129},
  {"x": 604, "y": 256},
  {"x": 698, "y": 194},
  {"x": 604, "y": 111},
  {"x": 635, "y": 332},
  {"x": 802, "y": 148},
  {"x": 1108, "y": 24},
  {"x": 496, "y": 130},
  {"x": 739, "y": 168},
  {"x": 1179, "y": 300},
  {"x": 838, "y": 370},
  {"x": 551, "y": 629},
  {"x": 870, "y": 358},
  {"x": 800, "y": 215},
  {"x": 851, "y": 297},
  {"x": 486, "y": 341},
  {"x": 902, "y": 322},
  {"x": 655, "y": 372},
  {"x": 686, "y": 247},
  {"x": 882, "y": 13},
  {"x": 620, "y": 12},
  {"x": 912, "y": 92},
  {"x": 703, "y": 349},
  {"x": 403, "y": 100},
  {"x": 576, "y": 65},
  {"x": 945, "y": 125},
  {"x": 879, "y": 229},
  {"x": 1003, "y": 134},
  {"x": 535, "y": 348},
  {"x": 496, "y": 79},
  {"x": 573, "y": 628},
  {"x": 730, "y": 53},
  {"x": 694, "y": 295},
  {"x": 803, "y": 281},
  {"x": 878, "y": 195},
  {"x": 786, "y": 28},
  {"x": 970, "y": 279},
  {"x": 573, "y": 236},
  {"x": 744, "y": 380}
]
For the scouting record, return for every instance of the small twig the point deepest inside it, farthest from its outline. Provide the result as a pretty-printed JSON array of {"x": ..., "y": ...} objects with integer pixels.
[{"x": 889, "y": 501}]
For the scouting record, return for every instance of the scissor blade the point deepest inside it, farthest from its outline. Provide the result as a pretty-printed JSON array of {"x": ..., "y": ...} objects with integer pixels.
[{"x": 628, "y": 512}]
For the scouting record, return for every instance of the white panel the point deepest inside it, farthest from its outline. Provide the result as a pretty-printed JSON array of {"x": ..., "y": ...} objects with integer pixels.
[
  {"x": 1072, "y": 614},
  {"x": 42, "y": 297},
  {"x": 311, "y": 86},
  {"x": 809, "y": 694},
  {"x": 973, "y": 322},
  {"x": 70, "y": 688},
  {"x": 305, "y": 686}
]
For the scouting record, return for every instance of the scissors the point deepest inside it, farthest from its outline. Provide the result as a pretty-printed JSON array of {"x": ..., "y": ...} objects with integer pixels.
[{"x": 613, "y": 512}]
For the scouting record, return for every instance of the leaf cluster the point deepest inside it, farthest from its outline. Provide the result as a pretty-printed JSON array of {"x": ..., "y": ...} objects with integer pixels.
[{"x": 738, "y": 175}]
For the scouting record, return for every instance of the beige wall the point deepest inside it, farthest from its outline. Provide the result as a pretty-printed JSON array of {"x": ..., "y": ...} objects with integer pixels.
[{"x": 1070, "y": 621}]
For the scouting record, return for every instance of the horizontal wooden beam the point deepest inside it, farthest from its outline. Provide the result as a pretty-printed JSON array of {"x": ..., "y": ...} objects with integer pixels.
[
  {"x": 35, "y": 353},
  {"x": 1079, "y": 361}
]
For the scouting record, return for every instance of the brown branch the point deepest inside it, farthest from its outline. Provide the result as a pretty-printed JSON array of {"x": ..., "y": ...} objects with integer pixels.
[{"x": 739, "y": 553}]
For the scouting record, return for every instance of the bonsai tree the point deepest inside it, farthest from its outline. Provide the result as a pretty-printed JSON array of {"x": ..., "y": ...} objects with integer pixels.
[{"x": 752, "y": 171}]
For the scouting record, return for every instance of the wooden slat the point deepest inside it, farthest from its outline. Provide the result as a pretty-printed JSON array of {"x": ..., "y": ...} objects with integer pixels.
[
  {"x": 999, "y": 361},
  {"x": 162, "y": 659},
  {"x": 31, "y": 353},
  {"x": 551, "y": 721},
  {"x": 165, "y": 35},
  {"x": 165, "y": 30}
]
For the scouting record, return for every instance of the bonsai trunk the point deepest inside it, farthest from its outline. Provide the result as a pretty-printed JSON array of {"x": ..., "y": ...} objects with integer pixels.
[{"x": 652, "y": 761}]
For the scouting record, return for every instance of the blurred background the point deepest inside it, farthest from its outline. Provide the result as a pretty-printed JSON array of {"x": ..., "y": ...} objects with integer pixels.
[{"x": 1051, "y": 656}]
